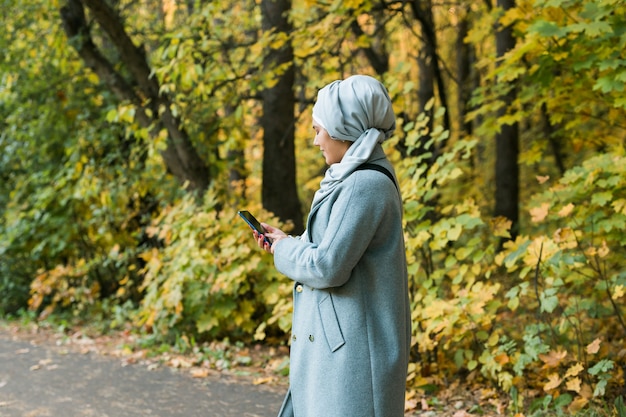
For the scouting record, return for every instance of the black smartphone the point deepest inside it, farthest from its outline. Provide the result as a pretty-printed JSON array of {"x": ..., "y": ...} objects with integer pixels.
[{"x": 254, "y": 223}]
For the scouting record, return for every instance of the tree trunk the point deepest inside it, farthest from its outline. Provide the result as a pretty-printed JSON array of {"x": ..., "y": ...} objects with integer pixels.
[
  {"x": 554, "y": 138},
  {"x": 507, "y": 142},
  {"x": 465, "y": 62},
  {"x": 429, "y": 68},
  {"x": 279, "y": 192},
  {"x": 376, "y": 53}
]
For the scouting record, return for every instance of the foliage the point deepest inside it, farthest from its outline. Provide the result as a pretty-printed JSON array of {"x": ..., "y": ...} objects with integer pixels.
[
  {"x": 208, "y": 62},
  {"x": 92, "y": 224},
  {"x": 568, "y": 72},
  {"x": 208, "y": 278},
  {"x": 450, "y": 257},
  {"x": 560, "y": 325},
  {"x": 80, "y": 183},
  {"x": 573, "y": 278}
]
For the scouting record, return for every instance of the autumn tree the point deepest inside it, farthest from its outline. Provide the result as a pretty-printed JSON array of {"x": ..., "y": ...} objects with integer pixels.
[
  {"x": 279, "y": 189},
  {"x": 154, "y": 109}
]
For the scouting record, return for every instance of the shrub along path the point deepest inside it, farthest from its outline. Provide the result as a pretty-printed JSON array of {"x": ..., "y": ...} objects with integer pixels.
[{"x": 41, "y": 375}]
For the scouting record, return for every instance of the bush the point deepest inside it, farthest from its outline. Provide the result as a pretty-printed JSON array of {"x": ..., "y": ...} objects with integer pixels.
[
  {"x": 209, "y": 279},
  {"x": 542, "y": 318}
]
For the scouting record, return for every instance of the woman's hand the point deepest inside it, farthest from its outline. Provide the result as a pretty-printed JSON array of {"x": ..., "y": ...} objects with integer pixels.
[{"x": 273, "y": 233}]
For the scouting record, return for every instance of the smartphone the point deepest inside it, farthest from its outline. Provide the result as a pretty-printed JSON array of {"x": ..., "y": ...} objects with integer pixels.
[{"x": 254, "y": 223}]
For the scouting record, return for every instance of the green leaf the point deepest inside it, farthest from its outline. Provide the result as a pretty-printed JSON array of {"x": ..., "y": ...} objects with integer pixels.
[
  {"x": 600, "y": 388},
  {"x": 602, "y": 198},
  {"x": 601, "y": 367},
  {"x": 548, "y": 302},
  {"x": 608, "y": 84},
  {"x": 454, "y": 232},
  {"x": 547, "y": 29},
  {"x": 592, "y": 29},
  {"x": 551, "y": 3}
]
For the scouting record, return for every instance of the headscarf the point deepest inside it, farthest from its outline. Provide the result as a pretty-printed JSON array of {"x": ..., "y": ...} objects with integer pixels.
[{"x": 357, "y": 109}]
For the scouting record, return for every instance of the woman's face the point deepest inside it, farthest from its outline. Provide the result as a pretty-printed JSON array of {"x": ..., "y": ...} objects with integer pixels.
[{"x": 333, "y": 150}]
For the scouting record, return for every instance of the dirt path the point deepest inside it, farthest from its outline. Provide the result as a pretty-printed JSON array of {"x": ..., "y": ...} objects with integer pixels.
[{"x": 39, "y": 378}]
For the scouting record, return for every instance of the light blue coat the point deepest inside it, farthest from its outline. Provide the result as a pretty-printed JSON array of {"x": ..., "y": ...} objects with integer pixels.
[{"x": 351, "y": 322}]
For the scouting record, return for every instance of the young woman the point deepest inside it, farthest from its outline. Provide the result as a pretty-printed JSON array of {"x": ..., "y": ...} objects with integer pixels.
[{"x": 351, "y": 321}]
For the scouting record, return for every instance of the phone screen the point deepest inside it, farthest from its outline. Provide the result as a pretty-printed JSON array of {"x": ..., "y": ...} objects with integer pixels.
[{"x": 253, "y": 223}]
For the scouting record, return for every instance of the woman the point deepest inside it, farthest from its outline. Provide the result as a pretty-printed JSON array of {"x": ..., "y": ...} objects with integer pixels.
[{"x": 351, "y": 321}]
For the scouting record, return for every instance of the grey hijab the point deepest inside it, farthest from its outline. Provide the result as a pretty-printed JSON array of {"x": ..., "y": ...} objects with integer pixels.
[{"x": 357, "y": 109}]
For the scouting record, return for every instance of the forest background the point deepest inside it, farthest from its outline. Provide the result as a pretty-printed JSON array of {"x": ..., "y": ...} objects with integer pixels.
[{"x": 132, "y": 132}]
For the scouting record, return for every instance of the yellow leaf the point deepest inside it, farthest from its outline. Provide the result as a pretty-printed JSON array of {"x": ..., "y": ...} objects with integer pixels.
[
  {"x": 351, "y": 4},
  {"x": 586, "y": 391},
  {"x": 279, "y": 41},
  {"x": 539, "y": 246},
  {"x": 499, "y": 259},
  {"x": 553, "y": 359},
  {"x": 554, "y": 380},
  {"x": 565, "y": 211},
  {"x": 539, "y": 213},
  {"x": 577, "y": 405},
  {"x": 501, "y": 226},
  {"x": 493, "y": 339},
  {"x": 604, "y": 250},
  {"x": 574, "y": 370},
  {"x": 541, "y": 179},
  {"x": 591, "y": 251},
  {"x": 619, "y": 206},
  {"x": 199, "y": 373},
  {"x": 566, "y": 238},
  {"x": 512, "y": 15},
  {"x": 262, "y": 380},
  {"x": 593, "y": 347},
  {"x": 618, "y": 292},
  {"x": 573, "y": 385}
]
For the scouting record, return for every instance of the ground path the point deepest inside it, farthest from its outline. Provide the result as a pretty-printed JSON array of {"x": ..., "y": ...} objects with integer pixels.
[
  {"x": 39, "y": 378},
  {"x": 44, "y": 373}
]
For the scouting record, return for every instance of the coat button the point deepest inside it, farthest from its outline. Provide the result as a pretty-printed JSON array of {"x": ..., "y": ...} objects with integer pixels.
[
  {"x": 311, "y": 338},
  {"x": 299, "y": 288},
  {"x": 293, "y": 337}
]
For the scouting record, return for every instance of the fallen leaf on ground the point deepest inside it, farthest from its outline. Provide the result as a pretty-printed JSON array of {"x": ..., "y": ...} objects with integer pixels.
[
  {"x": 573, "y": 384},
  {"x": 577, "y": 405},
  {"x": 593, "y": 347},
  {"x": 199, "y": 372},
  {"x": 410, "y": 405},
  {"x": 260, "y": 381},
  {"x": 553, "y": 358},
  {"x": 554, "y": 380},
  {"x": 574, "y": 370}
]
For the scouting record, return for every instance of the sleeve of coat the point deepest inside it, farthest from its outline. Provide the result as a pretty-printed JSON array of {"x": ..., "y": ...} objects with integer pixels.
[{"x": 354, "y": 219}]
